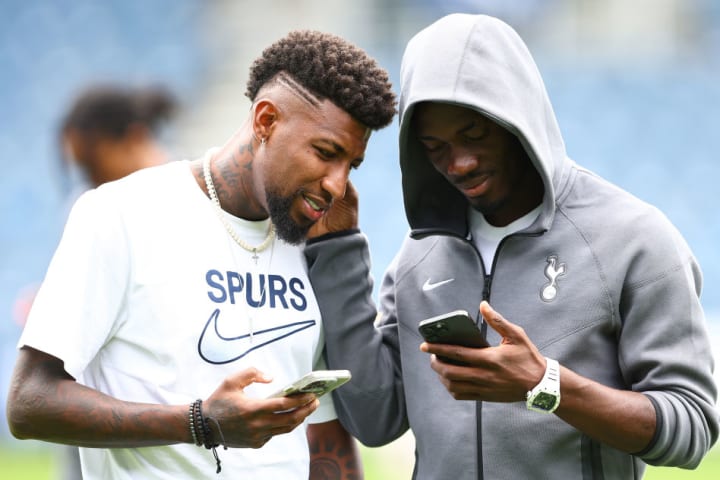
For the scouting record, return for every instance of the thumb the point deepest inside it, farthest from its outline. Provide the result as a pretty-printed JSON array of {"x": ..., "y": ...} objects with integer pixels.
[
  {"x": 497, "y": 322},
  {"x": 245, "y": 377}
]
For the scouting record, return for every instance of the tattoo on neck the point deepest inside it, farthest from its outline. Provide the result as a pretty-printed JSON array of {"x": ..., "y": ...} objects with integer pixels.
[{"x": 247, "y": 148}]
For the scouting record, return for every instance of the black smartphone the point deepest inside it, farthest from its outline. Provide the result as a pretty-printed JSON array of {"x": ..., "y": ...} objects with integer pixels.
[{"x": 456, "y": 328}]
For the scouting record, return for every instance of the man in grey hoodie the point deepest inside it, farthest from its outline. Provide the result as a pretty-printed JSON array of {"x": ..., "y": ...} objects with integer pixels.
[{"x": 600, "y": 359}]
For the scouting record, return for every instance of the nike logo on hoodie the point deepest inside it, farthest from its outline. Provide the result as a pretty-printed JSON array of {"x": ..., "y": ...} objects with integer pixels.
[{"x": 427, "y": 286}]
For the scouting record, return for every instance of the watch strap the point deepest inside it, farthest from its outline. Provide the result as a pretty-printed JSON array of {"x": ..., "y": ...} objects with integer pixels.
[{"x": 545, "y": 396}]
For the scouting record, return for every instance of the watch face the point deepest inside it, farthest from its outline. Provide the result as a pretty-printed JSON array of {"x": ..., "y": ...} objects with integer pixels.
[{"x": 544, "y": 401}]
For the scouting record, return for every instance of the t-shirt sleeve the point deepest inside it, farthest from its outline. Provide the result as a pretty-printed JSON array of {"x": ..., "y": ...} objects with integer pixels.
[{"x": 79, "y": 303}]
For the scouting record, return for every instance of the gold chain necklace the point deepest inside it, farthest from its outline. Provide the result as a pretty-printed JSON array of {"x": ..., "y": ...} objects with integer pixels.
[{"x": 221, "y": 215}]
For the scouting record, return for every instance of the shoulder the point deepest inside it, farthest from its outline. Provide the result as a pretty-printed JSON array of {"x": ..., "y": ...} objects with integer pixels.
[
  {"x": 620, "y": 226},
  {"x": 593, "y": 200}
]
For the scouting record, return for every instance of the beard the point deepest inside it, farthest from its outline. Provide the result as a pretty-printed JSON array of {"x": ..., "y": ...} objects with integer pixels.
[{"x": 286, "y": 228}]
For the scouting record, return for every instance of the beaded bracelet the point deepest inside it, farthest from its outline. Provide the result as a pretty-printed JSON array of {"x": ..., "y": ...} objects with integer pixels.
[
  {"x": 201, "y": 432},
  {"x": 191, "y": 421}
]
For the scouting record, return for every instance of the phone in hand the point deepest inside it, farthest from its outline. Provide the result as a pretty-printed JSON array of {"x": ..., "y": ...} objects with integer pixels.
[
  {"x": 318, "y": 382},
  {"x": 454, "y": 328}
]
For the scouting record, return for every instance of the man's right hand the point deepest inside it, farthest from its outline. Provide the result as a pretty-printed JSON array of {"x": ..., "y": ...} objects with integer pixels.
[{"x": 251, "y": 422}]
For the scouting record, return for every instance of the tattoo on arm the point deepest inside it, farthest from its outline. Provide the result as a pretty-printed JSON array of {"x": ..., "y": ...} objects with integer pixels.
[{"x": 331, "y": 459}]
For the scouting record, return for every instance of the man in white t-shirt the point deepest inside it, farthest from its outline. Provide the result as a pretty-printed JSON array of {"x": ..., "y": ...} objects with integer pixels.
[{"x": 178, "y": 300}]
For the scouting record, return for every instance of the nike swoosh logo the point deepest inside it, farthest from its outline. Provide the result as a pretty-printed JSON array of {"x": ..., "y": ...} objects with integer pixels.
[
  {"x": 427, "y": 286},
  {"x": 218, "y": 349}
]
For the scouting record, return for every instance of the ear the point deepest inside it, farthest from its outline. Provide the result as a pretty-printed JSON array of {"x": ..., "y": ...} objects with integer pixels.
[{"x": 265, "y": 116}]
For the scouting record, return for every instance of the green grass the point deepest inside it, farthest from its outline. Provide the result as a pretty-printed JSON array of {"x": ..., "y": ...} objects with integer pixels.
[
  {"x": 37, "y": 461},
  {"x": 395, "y": 462},
  {"x": 709, "y": 469}
]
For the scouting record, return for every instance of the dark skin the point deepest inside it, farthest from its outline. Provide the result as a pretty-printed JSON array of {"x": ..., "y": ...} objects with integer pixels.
[
  {"x": 105, "y": 158},
  {"x": 482, "y": 160},
  {"x": 307, "y": 155},
  {"x": 331, "y": 456}
]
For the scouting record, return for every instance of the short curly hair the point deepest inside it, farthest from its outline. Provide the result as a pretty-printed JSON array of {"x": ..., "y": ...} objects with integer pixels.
[{"x": 327, "y": 67}]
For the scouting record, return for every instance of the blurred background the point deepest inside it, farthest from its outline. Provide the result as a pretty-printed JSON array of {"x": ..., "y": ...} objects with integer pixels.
[{"x": 635, "y": 86}]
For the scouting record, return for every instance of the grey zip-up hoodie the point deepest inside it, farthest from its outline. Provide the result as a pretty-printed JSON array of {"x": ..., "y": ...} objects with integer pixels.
[{"x": 625, "y": 310}]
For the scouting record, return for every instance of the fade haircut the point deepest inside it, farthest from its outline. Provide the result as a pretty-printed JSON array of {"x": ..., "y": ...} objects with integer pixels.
[{"x": 318, "y": 66}]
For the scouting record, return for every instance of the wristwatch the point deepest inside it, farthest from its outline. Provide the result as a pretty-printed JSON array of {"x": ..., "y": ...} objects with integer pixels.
[{"x": 545, "y": 397}]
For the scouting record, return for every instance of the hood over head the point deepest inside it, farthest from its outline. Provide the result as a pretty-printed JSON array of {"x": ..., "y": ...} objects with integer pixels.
[{"x": 478, "y": 62}]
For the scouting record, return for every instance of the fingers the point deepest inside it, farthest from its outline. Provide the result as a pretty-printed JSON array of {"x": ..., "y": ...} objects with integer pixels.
[
  {"x": 509, "y": 332},
  {"x": 493, "y": 318},
  {"x": 245, "y": 377},
  {"x": 292, "y": 402},
  {"x": 342, "y": 215},
  {"x": 262, "y": 419},
  {"x": 351, "y": 195},
  {"x": 451, "y": 354},
  {"x": 285, "y": 421}
]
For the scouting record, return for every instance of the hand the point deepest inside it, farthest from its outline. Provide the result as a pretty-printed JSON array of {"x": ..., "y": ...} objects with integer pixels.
[
  {"x": 503, "y": 373},
  {"x": 251, "y": 422},
  {"x": 342, "y": 215}
]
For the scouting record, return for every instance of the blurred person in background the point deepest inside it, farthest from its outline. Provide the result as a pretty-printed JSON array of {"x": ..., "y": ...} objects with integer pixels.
[
  {"x": 600, "y": 361},
  {"x": 108, "y": 132},
  {"x": 111, "y": 131},
  {"x": 180, "y": 292}
]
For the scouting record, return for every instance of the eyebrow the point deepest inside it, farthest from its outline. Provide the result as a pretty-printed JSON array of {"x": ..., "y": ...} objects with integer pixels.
[
  {"x": 472, "y": 124},
  {"x": 340, "y": 150}
]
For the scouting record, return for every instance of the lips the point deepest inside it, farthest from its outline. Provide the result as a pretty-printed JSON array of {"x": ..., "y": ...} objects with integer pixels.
[
  {"x": 314, "y": 208},
  {"x": 474, "y": 187}
]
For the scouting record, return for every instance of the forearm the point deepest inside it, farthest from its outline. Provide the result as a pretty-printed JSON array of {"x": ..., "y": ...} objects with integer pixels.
[
  {"x": 623, "y": 419},
  {"x": 333, "y": 453},
  {"x": 52, "y": 406},
  {"x": 372, "y": 404}
]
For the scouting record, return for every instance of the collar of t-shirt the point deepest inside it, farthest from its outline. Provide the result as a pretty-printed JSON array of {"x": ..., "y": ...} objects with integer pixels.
[{"x": 487, "y": 237}]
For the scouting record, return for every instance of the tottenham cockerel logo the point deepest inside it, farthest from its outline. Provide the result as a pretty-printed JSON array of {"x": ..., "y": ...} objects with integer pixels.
[{"x": 553, "y": 270}]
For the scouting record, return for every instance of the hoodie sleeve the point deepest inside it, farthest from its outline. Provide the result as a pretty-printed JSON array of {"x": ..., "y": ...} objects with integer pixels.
[
  {"x": 372, "y": 405},
  {"x": 666, "y": 354}
]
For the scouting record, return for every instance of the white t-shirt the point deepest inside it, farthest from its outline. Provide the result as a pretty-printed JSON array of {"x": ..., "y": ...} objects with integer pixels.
[
  {"x": 149, "y": 299},
  {"x": 487, "y": 237}
]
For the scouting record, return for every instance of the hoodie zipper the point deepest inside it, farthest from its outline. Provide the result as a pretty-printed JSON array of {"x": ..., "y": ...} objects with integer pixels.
[
  {"x": 487, "y": 283},
  {"x": 487, "y": 287}
]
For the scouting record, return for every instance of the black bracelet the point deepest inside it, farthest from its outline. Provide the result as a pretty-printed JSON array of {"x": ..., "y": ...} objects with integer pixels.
[
  {"x": 195, "y": 420},
  {"x": 197, "y": 425},
  {"x": 201, "y": 432},
  {"x": 191, "y": 421}
]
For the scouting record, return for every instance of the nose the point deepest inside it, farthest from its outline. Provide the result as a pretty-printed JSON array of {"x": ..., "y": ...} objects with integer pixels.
[
  {"x": 461, "y": 162},
  {"x": 335, "y": 181}
]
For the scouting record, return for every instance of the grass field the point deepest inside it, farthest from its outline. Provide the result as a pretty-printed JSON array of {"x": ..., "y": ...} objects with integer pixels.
[{"x": 387, "y": 463}]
